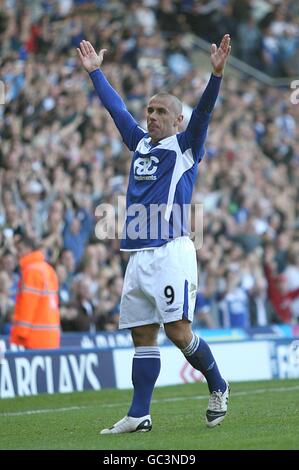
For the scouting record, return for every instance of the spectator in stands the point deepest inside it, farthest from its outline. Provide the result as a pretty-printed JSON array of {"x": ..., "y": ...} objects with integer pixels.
[
  {"x": 281, "y": 297},
  {"x": 115, "y": 286},
  {"x": 290, "y": 278},
  {"x": 36, "y": 319},
  {"x": 202, "y": 313},
  {"x": 81, "y": 312},
  {"x": 6, "y": 304},
  {"x": 68, "y": 261},
  {"x": 234, "y": 308},
  {"x": 76, "y": 232},
  {"x": 52, "y": 235},
  {"x": 9, "y": 266}
]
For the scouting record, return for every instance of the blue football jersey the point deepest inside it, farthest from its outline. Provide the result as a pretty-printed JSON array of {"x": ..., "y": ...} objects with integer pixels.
[
  {"x": 159, "y": 191},
  {"x": 162, "y": 175}
]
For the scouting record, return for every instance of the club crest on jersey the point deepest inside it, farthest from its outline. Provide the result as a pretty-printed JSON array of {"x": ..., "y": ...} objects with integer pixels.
[{"x": 145, "y": 168}]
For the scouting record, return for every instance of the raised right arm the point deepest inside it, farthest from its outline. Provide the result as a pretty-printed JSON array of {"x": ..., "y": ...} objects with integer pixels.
[
  {"x": 196, "y": 131},
  {"x": 124, "y": 121}
]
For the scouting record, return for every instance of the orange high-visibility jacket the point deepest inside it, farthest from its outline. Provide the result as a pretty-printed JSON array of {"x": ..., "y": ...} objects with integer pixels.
[{"x": 36, "y": 322}]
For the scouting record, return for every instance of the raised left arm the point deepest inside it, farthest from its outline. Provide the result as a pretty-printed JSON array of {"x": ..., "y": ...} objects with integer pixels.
[
  {"x": 219, "y": 55},
  {"x": 198, "y": 125}
]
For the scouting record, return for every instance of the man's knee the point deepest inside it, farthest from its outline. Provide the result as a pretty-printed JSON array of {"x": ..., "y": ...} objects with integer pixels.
[
  {"x": 179, "y": 332},
  {"x": 145, "y": 335}
]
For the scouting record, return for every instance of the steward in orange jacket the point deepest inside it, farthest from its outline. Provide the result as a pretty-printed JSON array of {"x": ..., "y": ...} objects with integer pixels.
[{"x": 36, "y": 321}]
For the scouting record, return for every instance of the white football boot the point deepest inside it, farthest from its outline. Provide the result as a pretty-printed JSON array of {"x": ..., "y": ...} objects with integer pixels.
[
  {"x": 130, "y": 424},
  {"x": 217, "y": 407}
]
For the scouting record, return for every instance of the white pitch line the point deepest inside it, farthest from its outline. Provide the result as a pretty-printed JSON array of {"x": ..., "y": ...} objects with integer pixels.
[
  {"x": 162, "y": 400},
  {"x": 235, "y": 394},
  {"x": 46, "y": 410}
]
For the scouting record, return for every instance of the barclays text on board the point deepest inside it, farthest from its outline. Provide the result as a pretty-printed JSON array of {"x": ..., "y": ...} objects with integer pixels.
[
  {"x": 65, "y": 370},
  {"x": 31, "y": 374}
]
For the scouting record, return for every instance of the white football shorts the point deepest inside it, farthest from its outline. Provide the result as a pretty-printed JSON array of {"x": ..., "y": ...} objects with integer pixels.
[{"x": 160, "y": 285}]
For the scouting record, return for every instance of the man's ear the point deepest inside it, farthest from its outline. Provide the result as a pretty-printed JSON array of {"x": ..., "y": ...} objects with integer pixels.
[{"x": 179, "y": 119}]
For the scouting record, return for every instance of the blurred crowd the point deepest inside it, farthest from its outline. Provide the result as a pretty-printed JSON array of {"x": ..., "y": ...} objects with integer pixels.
[
  {"x": 265, "y": 33},
  {"x": 61, "y": 155}
]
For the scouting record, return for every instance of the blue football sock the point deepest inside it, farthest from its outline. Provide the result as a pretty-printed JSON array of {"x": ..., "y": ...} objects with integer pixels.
[
  {"x": 200, "y": 356},
  {"x": 145, "y": 371}
]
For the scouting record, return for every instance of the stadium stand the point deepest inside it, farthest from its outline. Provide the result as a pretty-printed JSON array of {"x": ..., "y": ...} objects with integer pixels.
[{"x": 60, "y": 155}]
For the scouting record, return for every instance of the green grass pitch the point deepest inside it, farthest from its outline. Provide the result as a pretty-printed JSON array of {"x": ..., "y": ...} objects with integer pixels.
[{"x": 262, "y": 415}]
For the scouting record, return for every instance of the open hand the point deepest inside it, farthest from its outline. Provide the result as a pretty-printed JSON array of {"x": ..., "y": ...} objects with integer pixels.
[
  {"x": 219, "y": 55},
  {"x": 89, "y": 58}
]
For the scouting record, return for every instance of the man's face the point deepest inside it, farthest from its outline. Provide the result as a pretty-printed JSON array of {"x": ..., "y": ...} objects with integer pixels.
[
  {"x": 162, "y": 120},
  {"x": 21, "y": 248}
]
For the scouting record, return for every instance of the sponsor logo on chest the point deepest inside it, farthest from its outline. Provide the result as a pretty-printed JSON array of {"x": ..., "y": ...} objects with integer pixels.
[{"x": 145, "y": 168}]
